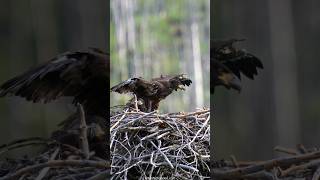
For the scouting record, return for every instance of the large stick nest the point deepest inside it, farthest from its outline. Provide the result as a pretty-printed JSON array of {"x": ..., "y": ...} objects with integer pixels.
[
  {"x": 300, "y": 163},
  {"x": 149, "y": 145},
  {"x": 56, "y": 161}
]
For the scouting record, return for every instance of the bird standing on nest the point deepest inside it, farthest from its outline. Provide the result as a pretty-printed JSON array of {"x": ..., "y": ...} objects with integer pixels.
[
  {"x": 229, "y": 62},
  {"x": 150, "y": 93},
  {"x": 83, "y": 75}
]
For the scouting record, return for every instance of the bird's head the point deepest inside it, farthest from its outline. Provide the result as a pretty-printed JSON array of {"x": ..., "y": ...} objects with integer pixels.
[{"x": 180, "y": 81}]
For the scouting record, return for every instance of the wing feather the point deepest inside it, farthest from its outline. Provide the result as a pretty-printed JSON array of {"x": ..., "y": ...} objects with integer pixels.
[{"x": 69, "y": 74}]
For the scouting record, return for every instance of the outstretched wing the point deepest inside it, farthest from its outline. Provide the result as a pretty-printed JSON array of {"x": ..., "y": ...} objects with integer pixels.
[
  {"x": 237, "y": 60},
  {"x": 245, "y": 63},
  {"x": 82, "y": 75},
  {"x": 137, "y": 86}
]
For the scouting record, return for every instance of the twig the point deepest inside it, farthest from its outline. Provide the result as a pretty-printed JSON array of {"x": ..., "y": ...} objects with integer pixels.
[
  {"x": 285, "y": 150},
  {"x": 234, "y": 161},
  {"x": 84, "y": 144},
  {"x": 44, "y": 171},
  {"x": 122, "y": 117},
  {"x": 57, "y": 163},
  {"x": 192, "y": 114},
  {"x": 301, "y": 148},
  {"x": 299, "y": 167},
  {"x": 101, "y": 176},
  {"x": 238, "y": 172},
  {"x": 316, "y": 175}
]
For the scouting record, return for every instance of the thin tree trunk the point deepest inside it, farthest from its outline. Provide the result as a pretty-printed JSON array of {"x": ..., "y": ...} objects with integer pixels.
[
  {"x": 284, "y": 73},
  {"x": 45, "y": 32},
  {"x": 198, "y": 79}
]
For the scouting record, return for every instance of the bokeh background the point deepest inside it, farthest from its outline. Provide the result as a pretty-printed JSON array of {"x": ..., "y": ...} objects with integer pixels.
[
  {"x": 32, "y": 32},
  {"x": 150, "y": 38},
  {"x": 282, "y": 105}
]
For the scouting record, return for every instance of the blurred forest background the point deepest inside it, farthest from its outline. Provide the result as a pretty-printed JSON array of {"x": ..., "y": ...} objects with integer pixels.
[
  {"x": 282, "y": 105},
  {"x": 32, "y": 32},
  {"x": 150, "y": 38}
]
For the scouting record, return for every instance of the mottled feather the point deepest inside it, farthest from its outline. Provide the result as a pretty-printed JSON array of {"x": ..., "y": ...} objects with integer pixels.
[
  {"x": 229, "y": 63},
  {"x": 153, "y": 91}
]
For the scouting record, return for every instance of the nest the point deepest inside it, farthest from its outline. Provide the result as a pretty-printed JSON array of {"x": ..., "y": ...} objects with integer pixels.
[
  {"x": 152, "y": 145},
  {"x": 56, "y": 161},
  {"x": 299, "y": 163}
]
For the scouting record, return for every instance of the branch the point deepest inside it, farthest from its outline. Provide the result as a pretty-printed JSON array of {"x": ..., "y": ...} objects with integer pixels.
[
  {"x": 83, "y": 132},
  {"x": 284, "y": 161},
  {"x": 57, "y": 163}
]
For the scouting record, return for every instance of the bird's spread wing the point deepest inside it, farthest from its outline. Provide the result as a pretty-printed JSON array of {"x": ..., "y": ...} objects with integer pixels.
[
  {"x": 137, "y": 86},
  {"x": 82, "y": 75},
  {"x": 237, "y": 60},
  {"x": 244, "y": 63},
  {"x": 125, "y": 86}
]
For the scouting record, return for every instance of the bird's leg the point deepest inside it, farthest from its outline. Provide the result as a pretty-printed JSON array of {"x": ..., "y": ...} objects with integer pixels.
[
  {"x": 149, "y": 106},
  {"x": 136, "y": 102}
]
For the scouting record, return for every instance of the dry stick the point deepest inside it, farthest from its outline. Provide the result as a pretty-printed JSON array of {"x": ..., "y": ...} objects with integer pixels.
[
  {"x": 19, "y": 141},
  {"x": 16, "y": 146},
  {"x": 22, "y": 177},
  {"x": 131, "y": 122},
  {"x": 57, "y": 163},
  {"x": 189, "y": 144},
  {"x": 128, "y": 167},
  {"x": 299, "y": 167},
  {"x": 24, "y": 142},
  {"x": 285, "y": 150},
  {"x": 122, "y": 117},
  {"x": 83, "y": 132},
  {"x": 302, "y": 149},
  {"x": 191, "y": 114},
  {"x": 316, "y": 175},
  {"x": 44, "y": 171},
  {"x": 241, "y": 163},
  {"x": 261, "y": 175},
  {"x": 162, "y": 153},
  {"x": 101, "y": 176},
  {"x": 234, "y": 161},
  {"x": 238, "y": 172}
]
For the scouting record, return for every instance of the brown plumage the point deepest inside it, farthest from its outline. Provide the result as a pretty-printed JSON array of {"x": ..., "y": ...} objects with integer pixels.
[
  {"x": 83, "y": 75},
  {"x": 152, "y": 92},
  {"x": 228, "y": 63}
]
